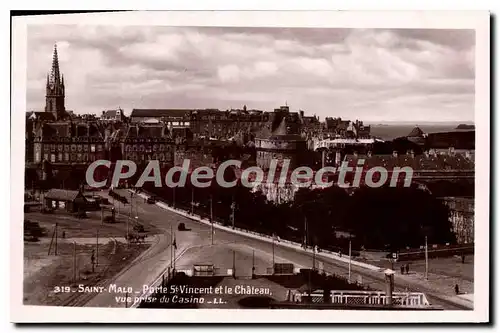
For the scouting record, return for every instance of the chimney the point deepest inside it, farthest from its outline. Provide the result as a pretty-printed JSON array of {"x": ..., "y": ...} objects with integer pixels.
[
  {"x": 395, "y": 153},
  {"x": 301, "y": 114}
]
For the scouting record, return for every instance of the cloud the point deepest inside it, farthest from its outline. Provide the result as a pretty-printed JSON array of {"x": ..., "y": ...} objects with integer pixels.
[{"x": 371, "y": 74}]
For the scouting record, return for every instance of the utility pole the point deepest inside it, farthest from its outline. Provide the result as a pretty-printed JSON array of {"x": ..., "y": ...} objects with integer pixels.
[
  {"x": 51, "y": 241},
  {"x": 234, "y": 264},
  {"x": 97, "y": 248},
  {"x": 314, "y": 257},
  {"x": 175, "y": 247},
  {"x": 102, "y": 214},
  {"x": 131, "y": 203},
  {"x": 56, "y": 241},
  {"x": 349, "y": 261},
  {"x": 253, "y": 264},
  {"x": 426, "y": 260},
  {"x": 171, "y": 247},
  {"x": 233, "y": 208},
  {"x": 273, "y": 253},
  {"x": 128, "y": 241},
  {"x": 173, "y": 202},
  {"x": 211, "y": 221},
  {"x": 192, "y": 201},
  {"x": 74, "y": 262},
  {"x": 305, "y": 232}
]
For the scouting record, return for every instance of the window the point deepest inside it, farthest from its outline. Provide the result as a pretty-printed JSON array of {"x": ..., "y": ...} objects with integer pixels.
[
  {"x": 79, "y": 157},
  {"x": 92, "y": 148},
  {"x": 37, "y": 156},
  {"x": 85, "y": 148},
  {"x": 60, "y": 157},
  {"x": 66, "y": 157},
  {"x": 52, "y": 158}
]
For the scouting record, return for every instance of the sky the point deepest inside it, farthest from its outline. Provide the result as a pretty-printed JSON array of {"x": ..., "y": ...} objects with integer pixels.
[{"x": 375, "y": 75}]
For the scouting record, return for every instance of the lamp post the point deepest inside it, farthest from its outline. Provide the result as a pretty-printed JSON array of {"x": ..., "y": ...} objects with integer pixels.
[{"x": 426, "y": 260}]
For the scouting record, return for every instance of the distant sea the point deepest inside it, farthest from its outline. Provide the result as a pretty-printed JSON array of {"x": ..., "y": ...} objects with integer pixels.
[{"x": 392, "y": 131}]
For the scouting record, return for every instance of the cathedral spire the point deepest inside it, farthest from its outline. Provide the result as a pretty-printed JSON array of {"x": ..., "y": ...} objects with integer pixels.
[
  {"x": 54, "y": 72},
  {"x": 54, "y": 98}
]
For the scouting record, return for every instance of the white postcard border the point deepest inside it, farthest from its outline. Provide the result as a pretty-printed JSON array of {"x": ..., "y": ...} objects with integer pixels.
[{"x": 478, "y": 20}]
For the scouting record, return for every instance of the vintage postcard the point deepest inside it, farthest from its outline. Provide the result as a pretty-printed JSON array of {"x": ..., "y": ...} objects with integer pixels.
[{"x": 195, "y": 166}]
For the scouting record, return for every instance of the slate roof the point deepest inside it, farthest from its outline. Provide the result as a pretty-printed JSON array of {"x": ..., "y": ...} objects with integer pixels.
[
  {"x": 61, "y": 195},
  {"x": 418, "y": 162},
  {"x": 146, "y": 131},
  {"x": 156, "y": 113},
  {"x": 41, "y": 115}
]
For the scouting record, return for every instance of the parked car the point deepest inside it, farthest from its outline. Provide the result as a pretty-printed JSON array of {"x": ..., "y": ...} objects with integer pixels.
[
  {"x": 181, "y": 227},
  {"x": 151, "y": 200}
]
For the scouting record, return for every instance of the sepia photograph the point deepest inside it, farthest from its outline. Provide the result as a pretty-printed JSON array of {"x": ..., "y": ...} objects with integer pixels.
[{"x": 318, "y": 161}]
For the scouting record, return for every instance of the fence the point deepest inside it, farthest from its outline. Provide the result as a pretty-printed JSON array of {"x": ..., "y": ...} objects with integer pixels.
[{"x": 410, "y": 299}]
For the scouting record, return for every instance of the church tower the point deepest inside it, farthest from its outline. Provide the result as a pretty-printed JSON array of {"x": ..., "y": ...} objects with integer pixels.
[{"x": 54, "y": 97}]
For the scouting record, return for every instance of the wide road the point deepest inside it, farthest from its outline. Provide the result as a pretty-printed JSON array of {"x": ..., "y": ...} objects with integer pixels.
[{"x": 196, "y": 247}]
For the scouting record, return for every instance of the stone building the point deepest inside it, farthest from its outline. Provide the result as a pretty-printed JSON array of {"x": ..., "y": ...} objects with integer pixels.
[
  {"x": 462, "y": 218},
  {"x": 68, "y": 143},
  {"x": 144, "y": 142}
]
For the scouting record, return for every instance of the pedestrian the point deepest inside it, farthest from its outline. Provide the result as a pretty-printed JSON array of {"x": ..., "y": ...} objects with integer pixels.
[
  {"x": 463, "y": 259},
  {"x": 407, "y": 268},
  {"x": 64, "y": 234},
  {"x": 340, "y": 254},
  {"x": 402, "y": 269},
  {"x": 457, "y": 290}
]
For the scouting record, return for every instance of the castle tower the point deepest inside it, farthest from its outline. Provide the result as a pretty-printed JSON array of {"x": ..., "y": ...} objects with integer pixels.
[{"x": 54, "y": 97}]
